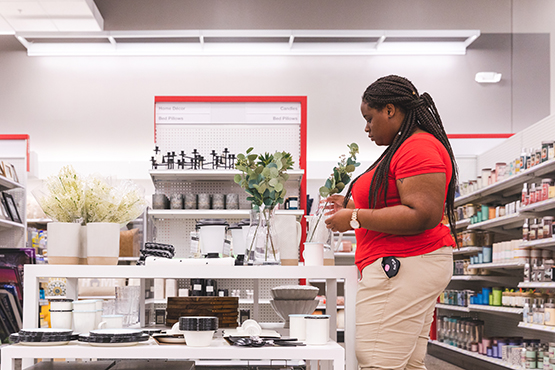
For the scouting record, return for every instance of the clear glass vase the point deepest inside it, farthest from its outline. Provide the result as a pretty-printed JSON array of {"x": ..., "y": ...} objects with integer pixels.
[
  {"x": 261, "y": 239},
  {"x": 319, "y": 233}
]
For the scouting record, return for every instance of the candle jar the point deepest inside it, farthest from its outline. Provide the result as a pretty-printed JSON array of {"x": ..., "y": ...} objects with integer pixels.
[
  {"x": 176, "y": 201},
  {"x": 547, "y": 226},
  {"x": 546, "y": 183}
]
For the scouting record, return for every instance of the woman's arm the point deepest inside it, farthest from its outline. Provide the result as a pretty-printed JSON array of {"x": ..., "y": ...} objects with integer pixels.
[{"x": 421, "y": 209}]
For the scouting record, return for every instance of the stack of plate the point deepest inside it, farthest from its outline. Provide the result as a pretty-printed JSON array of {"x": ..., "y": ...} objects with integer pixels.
[
  {"x": 198, "y": 323},
  {"x": 198, "y": 330},
  {"x": 294, "y": 300},
  {"x": 114, "y": 337},
  {"x": 43, "y": 337}
]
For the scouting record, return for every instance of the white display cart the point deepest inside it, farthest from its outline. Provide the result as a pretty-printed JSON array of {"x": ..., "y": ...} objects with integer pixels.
[{"x": 343, "y": 358}]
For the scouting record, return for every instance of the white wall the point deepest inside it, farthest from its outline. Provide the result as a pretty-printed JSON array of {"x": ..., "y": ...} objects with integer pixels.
[{"x": 97, "y": 113}]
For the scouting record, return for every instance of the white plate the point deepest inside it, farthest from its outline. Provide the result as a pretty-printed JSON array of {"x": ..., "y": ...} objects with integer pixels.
[
  {"x": 110, "y": 332},
  {"x": 243, "y": 333},
  {"x": 47, "y": 330},
  {"x": 169, "y": 340},
  {"x": 127, "y": 344},
  {"x": 39, "y": 344}
]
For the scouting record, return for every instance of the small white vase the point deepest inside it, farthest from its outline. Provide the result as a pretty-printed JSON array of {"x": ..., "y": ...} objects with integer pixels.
[
  {"x": 102, "y": 243},
  {"x": 63, "y": 243}
]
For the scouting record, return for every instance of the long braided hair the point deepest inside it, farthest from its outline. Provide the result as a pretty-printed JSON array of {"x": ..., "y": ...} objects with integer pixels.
[{"x": 420, "y": 112}]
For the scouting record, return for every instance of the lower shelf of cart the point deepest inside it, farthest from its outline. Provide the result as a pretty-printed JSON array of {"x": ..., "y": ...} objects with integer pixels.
[
  {"x": 492, "y": 360},
  {"x": 219, "y": 349}
]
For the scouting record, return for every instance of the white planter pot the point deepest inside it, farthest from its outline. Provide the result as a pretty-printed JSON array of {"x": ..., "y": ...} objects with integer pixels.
[
  {"x": 63, "y": 243},
  {"x": 102, "y": 243}
]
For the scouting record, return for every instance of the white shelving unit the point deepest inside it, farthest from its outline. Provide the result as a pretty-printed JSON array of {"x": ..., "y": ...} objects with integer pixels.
[
  {"x": 544, "y": 205},
  {"x": 207, "y": 175},
  {"x": 539, "y": 243},
  {"x": 495, "y": 309},
  {"x": 492, "y": 360},
  {"x": 497, "y": 265},
  {"x": 462, "y": 224},
  {"x": 5, "y": 224},
  {"x": 480, "y": 308},
  {"x": 550, "y": 329},
  {"x": 452, "y": 307},
  {"x": 511, "y": 221},
  {"x": 534, "y": 285},
  {"x": 193, "y": 214},
  {"x": 508, "y": 186},
  {"x": 489, "y": 278},
  {"x": 467, "y": 250},
  {"x": 8, "y": 184},
  {"x": 218, "y": 350},
  {"x": 72, "y": 272}
]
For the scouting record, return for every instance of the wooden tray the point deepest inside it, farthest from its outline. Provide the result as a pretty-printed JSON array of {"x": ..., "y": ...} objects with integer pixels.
[{"x": 226, "y": 309}]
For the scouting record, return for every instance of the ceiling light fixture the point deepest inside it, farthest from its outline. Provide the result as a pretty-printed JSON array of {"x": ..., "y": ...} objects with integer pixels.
[{"x": 248, "y": 42}]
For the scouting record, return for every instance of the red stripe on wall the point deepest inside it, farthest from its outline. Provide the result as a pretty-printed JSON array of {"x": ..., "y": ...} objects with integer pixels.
[{"x": 19, "y": 137}]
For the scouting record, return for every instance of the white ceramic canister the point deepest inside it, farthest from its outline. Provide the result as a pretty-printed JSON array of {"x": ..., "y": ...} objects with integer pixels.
[
  {"x": 317, "y": 329},
  {"x": 297, "y": 326}
]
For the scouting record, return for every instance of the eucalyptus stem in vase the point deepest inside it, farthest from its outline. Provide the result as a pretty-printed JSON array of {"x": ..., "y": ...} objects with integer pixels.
[
  {"x": 337, "y": 181},
  {"x": 263, "y": 177}
]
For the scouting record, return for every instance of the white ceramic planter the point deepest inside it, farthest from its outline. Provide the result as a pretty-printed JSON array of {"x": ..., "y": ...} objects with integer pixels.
[
  {"x": 102, "y": 243},
  {"x": 63, "y": 243}
]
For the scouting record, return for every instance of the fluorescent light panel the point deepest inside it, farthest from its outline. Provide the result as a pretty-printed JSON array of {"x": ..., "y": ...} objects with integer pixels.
[{"x": 248, "y": 42}]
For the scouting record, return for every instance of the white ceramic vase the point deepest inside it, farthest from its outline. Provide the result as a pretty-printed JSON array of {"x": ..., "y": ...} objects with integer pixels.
[
  {"x": 102, "y": 243},
  {"x": 63, "y": 243}
]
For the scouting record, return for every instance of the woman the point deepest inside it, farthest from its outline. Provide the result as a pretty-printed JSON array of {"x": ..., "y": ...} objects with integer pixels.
[{"x": 404, "y": 252}]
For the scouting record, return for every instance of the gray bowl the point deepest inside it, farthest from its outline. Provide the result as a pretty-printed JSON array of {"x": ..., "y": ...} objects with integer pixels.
[
  {"x": 294, "y": 292},
  {"x": 284, "y": 308}
]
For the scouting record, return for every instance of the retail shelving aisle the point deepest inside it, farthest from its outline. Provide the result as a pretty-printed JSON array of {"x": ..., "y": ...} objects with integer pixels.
[{"x": 331, "y": 351}]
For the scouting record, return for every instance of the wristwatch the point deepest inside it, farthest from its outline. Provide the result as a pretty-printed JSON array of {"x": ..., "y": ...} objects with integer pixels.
[{"x": 355, "y": 224}]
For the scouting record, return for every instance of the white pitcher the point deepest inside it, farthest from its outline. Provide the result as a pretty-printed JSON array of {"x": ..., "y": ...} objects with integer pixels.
[{"x": 288, "y": 235}]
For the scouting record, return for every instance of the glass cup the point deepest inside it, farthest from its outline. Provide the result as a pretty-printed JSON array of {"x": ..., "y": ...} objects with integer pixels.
[{"x": 127, "y": 304}]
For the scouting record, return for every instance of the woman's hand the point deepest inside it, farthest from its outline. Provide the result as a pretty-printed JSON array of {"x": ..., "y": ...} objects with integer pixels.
[
  {"x": 335, "y": 204},
  {"x": 340, "y": 221}
]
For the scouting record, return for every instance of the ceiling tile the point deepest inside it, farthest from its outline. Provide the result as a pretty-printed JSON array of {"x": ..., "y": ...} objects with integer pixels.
[
  {"x": 22, "y": 9},
  {"x": 66, "y": 8},
  {"x": 32, "y": 25},
  {"x": 76, "y": 25}
]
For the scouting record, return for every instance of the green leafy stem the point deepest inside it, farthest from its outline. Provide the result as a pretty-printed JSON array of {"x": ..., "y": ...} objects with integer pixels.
[{"x": 337, "y": 181}]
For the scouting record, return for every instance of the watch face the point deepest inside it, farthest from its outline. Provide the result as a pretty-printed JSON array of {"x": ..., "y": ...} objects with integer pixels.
[{"x": 355, "y": 224}]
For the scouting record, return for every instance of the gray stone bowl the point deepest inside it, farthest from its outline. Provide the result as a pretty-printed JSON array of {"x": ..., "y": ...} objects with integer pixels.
[
  {"x": 294, "y": 292},
  {"x": 284, "y": 308}
]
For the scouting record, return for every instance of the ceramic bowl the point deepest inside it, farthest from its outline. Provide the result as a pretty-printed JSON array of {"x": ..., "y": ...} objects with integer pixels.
[
  {"x": 85, "y": 305},
  {"x": 284, "y": 308},
  {"x": 198, "y": 338},
  {"x": 294, "y": 292},
  {"x": 61, "y": 304}
]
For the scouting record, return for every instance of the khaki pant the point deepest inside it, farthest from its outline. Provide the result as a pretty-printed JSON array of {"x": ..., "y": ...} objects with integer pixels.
[{"x": 393, "y": 316}]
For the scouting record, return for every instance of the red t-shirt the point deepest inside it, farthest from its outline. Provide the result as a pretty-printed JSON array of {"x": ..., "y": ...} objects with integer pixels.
[{"x": 419, "y": 154}]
